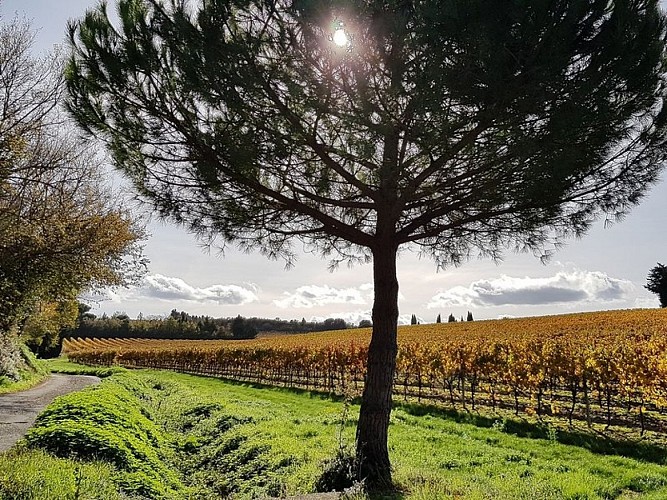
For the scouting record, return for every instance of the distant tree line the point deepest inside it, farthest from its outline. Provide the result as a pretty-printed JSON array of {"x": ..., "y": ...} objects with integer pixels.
[{"x": 182, "y": 325}]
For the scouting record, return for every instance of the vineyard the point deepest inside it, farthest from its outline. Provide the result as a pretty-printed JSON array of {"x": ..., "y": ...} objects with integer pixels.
[{"x": 608, "y": 368}]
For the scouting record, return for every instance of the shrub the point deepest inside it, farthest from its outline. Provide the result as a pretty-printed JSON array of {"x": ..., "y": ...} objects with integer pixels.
[{"x": 338, "y": 473}]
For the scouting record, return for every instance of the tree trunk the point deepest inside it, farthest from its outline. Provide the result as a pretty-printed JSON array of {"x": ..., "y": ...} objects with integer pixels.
[{"x": 372, "y": 451}]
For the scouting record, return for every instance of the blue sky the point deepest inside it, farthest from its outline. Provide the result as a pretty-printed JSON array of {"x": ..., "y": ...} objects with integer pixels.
[{"x": 606, "y": 269}]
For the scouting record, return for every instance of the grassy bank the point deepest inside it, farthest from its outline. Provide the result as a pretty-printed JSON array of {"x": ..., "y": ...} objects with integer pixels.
[
  {"x": 215, "y": 439},
  {"x": 62, "y": 365},
  {"x": 29, "y": 372}
]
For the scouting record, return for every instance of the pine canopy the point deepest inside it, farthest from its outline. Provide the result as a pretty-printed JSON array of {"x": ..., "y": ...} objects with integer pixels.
[{"x": 455, "y": 125}]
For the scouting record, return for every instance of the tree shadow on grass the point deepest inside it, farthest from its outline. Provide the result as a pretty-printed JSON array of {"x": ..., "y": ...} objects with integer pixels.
[
  {"x": 311, "y": 393},
  {"x": 387, "y": 495},
  {"x": 591, "y": 440}
]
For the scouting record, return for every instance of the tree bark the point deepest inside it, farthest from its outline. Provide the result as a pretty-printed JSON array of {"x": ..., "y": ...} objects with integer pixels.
[{"x": 372, "y": 452}]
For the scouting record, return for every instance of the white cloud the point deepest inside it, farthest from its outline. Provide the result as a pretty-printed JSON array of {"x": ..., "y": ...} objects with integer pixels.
[
  {"x": 168, "y": 288},
  {"x": 309, "y": 296},
  {"x": 572, "y": 286},
  {"x": 406, "y": 319},
  {"x": 352, "y": 318},
  {"x": 646, "y": 303}
]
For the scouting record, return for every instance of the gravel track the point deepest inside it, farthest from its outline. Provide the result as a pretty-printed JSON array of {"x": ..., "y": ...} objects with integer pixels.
[{"x": 19, "y": 410}]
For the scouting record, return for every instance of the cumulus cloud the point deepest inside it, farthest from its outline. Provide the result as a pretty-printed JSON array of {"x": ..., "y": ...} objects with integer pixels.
[
  {"x": 169, "y": 288},
  {"x": 309, "y": 296},
  {"x": 564, "y": 287},
  {"x": 352, "y": 318}
]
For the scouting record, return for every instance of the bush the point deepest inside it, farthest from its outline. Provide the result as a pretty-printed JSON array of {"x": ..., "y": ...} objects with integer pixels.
[{"x": 338, "y": 473}]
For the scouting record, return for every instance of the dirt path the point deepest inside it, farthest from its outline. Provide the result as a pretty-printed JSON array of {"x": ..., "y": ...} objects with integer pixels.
[{"x": 19, "y": 410}]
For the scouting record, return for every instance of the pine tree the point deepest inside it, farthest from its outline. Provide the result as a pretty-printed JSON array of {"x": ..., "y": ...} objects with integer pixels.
[
  {"x": 469, "y": 318},
  {"x": 438, "y": 319},
  {"x": 506, "y": 124}
]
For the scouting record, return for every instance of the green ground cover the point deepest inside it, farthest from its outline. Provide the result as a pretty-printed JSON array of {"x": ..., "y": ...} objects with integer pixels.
[
  {"x": 36, "y": 475},
  {"x": 112, "y": 422},
  {"x": 215, "y": 439}
]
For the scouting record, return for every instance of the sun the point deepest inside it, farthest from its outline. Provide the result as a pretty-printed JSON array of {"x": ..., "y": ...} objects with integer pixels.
[{"x": 340, "y": 37}]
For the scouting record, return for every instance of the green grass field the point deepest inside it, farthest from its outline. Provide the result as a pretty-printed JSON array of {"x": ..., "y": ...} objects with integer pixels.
[
  {"x": 36, "y": 475},
  {"x": 224, "y": 439}
]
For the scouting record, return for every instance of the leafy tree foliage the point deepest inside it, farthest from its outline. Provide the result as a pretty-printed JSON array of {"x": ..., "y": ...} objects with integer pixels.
[
  {"x": 242, "y": 330},
  {"x": 41, "y": 330},
  {"x": 657, "y": 283},
  {"x": 438, "y": 319},
  {"x": 457, "y": 127},
  {"x": 451, "y": 318},
  {"x": 60, "y": 233},
  {"x": 334, "y": 324},
  {"x": 469, "y": 317}
]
